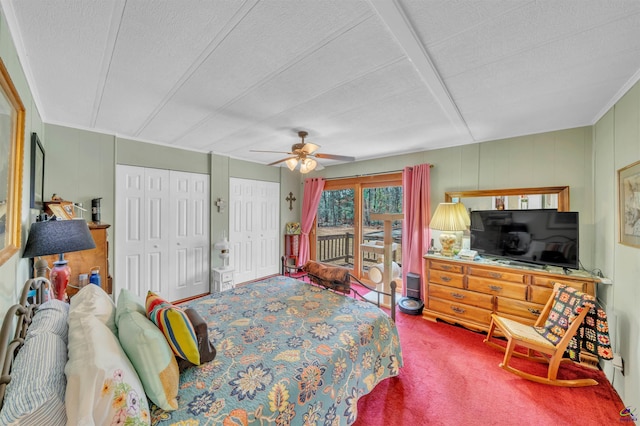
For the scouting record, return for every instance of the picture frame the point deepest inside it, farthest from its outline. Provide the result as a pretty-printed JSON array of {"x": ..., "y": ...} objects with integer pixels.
[
  {"x": 629, "y": 205},
  {"x": 63, "y": 210},
  {"x": 37, "y": 172},
  {"x": 293, "y": 228},
  {"x": 12, "y": 118},
  {"x": 499, "y": 202}
]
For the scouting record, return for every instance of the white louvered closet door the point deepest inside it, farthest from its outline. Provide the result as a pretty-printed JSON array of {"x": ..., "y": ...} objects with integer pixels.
[
  {"x": 254, "y": 221},
  {"x": 162, "y": 232},
  {"x": 189, "y": 239}
]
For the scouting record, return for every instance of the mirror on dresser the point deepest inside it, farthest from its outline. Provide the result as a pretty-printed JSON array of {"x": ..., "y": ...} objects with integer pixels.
[{"x": 546, "y": 197}]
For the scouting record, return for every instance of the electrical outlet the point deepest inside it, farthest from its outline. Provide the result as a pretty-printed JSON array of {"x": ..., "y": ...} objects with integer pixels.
[{"x": 618, "y": 363}]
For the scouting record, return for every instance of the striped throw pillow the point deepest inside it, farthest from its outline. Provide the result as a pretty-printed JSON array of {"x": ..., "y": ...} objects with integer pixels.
[{"x": 176, "y": 327}]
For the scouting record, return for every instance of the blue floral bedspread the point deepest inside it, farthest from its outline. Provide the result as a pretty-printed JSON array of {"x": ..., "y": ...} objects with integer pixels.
[{"x": 288, "y": 353}]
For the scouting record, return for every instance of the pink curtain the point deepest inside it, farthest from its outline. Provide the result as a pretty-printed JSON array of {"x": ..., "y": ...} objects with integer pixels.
[
  {"x": 416, "y": 206},
  {"x": 310, "y": 200}
]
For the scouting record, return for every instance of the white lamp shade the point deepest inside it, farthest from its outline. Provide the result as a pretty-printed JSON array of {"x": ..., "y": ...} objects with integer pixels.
[
  {"x": 462, "y": 211},
  {"x": 447, "y": 217}
]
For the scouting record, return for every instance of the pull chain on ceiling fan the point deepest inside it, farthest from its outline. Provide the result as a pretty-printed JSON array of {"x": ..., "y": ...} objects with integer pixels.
[{"x": 303, "y": 156}]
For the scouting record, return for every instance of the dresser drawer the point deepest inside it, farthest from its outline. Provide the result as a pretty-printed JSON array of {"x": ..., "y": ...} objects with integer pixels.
[
  {"x": 441, "y": 266},
  {"x": 461, "y": 296},
  {"x": 550, "y": 282},
  {"x": 519, "y": 308},
  {"x": 460, "y": 310},
  {"x": 513, "y": 277},
  {"x": 497, "y": 288},
  {"x": 539, "y": 294},
  {"x": 446, "y": 278}
]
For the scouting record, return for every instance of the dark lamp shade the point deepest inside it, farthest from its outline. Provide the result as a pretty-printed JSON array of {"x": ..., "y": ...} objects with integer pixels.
[{"x": 58, "y": 236}]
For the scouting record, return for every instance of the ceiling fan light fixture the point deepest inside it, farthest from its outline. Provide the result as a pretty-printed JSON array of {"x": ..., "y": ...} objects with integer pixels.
[
  {"x": 307, "y": 165},
  {"x": 292, "y": 163}
]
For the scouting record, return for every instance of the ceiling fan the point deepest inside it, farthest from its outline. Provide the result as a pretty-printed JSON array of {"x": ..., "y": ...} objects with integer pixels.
[{"x": 303, "y": 156}]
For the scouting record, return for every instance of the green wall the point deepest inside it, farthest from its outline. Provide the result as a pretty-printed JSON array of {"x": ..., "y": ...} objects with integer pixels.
[
  {"x": 617, "y": 145},
  {"x": 15, "y": 271},
  {"x": 548, "y": 159}
]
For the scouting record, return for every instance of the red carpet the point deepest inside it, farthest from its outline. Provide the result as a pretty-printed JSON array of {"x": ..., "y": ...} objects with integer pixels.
[{"x": 450, "y": 377}]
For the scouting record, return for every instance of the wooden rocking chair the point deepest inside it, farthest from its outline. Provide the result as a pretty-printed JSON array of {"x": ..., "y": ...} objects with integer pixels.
[{"x": 559, "y": 321}]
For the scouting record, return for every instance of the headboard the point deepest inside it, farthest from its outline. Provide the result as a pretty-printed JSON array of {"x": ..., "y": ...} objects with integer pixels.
[{"x": 15, "y": 324}]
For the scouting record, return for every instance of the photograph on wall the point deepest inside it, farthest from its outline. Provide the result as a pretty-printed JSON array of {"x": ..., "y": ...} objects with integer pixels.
[
  {"x": 629, "y": 204},
  {"x": 500, "y": 203}
]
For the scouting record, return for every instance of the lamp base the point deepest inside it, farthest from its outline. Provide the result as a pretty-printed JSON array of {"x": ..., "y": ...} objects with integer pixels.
[
  {"x": 60, "y": 274},
  {"x": 447, "y": 241}
]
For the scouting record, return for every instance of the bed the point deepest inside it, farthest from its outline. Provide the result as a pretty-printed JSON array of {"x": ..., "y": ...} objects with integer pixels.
[{"x": 288, "y": 352}]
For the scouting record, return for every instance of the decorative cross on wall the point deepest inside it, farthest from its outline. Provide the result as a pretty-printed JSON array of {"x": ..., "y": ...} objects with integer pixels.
[{"x": 290, "y": 199}]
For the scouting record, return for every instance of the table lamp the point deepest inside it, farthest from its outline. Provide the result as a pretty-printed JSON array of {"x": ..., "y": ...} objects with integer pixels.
[
  {"x": 57, "y": 237},
  {"x": 460, "y": 235},
  {"x": 224, "y": 246},
  {"x": 448, "y": 218}
]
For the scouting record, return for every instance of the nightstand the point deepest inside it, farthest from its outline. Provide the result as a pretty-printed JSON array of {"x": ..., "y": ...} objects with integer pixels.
[{"x": 222, "y": 279}]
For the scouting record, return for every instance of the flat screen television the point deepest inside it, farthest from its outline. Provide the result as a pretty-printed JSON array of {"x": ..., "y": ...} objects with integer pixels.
[{"x": 542, "y": 237}]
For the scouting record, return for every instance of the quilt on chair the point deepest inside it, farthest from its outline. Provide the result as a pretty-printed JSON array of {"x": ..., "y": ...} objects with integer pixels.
[{"x": 287, "y": 353}]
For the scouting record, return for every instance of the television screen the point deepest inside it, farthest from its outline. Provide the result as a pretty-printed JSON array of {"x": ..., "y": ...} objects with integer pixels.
[{"x": 544, "y": 237}]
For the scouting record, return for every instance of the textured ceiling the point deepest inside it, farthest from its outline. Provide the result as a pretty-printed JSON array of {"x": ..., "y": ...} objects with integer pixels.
[{"x": 365, "y": 78}]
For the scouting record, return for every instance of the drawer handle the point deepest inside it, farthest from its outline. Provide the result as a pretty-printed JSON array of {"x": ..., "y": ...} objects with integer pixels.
[
  {"x": 446, "y": 267},
  {"x": 535, "y": 312},
  {"x": 495, "y": 275},
  {"x": 495, "y": 288},
  {"x": 445, "y": 279},
  {"x": 457, "y": 295},
  {"x": 457, "y": 310}
]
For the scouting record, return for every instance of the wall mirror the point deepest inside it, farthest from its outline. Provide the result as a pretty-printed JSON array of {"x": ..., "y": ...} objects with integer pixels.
[
  {"x": 12, "y": 114},
  {"x": 546, "y": 197}
]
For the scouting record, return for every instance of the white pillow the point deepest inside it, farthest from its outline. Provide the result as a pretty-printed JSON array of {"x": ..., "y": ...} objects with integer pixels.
[
  {"x": 94, "y": 301},
  {"x": 102, "y": 385}
]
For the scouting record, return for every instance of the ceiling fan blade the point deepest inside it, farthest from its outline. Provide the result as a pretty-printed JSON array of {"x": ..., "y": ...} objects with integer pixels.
[
  {"x": 280, "y": 161},
  {"x": 276, "y": 152},
  {"x": 335, "y": 157}
]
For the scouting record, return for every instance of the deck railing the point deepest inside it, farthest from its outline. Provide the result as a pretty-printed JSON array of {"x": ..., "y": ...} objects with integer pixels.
[{"x": 339, "y": 248}]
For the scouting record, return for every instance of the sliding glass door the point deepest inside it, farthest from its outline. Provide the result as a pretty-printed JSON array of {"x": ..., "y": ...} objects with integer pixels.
[{"x": 345, "y": 232}]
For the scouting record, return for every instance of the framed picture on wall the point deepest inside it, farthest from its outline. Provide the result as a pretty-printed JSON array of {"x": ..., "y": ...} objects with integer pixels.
[
  {"x": 12, "y": 116},
  {"x": 37, "y": 172},
  {"x": 629, "y": 204}
]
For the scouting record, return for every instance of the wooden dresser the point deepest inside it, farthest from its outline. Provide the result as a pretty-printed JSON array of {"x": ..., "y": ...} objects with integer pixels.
[
  {"x": 468, "y": 292},
  {"x": 81, "y": 262}
]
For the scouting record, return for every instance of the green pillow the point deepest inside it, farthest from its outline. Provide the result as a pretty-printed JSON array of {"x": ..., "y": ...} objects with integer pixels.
[
  {"x": 129, "y": 302},
  {"x": 151, "y": 356}
]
